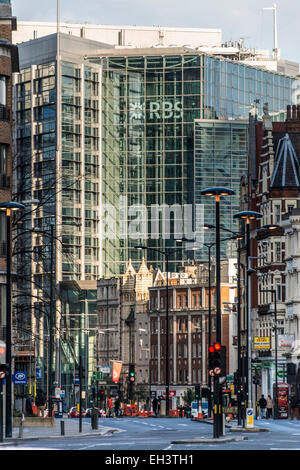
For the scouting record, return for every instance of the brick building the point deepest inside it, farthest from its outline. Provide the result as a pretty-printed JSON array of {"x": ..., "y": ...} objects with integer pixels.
[
  {"x": 189, "y": 327},
  {"x": 272, "y": 188},
  {"x": 8, "y": 65}
]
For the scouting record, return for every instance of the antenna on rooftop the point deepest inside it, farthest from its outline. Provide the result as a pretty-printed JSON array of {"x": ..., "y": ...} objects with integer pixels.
[{"x": 275, "y": 50}]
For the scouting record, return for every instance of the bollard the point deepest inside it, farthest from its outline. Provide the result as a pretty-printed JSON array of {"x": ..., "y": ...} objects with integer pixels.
[
  {"x": 94, "y": 418},
  {"x": 62, "y": 428},
  {"x": 21, "y": 429}
]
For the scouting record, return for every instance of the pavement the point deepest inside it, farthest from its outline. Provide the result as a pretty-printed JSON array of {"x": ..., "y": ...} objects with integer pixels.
[{"x": 64, "y": 428}]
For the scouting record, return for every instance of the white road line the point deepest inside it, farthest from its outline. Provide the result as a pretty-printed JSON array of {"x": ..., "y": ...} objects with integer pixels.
[{"x": 168, "y": 448}]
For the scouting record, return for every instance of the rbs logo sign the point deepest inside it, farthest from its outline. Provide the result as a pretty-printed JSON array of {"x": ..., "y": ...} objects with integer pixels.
[
  {"x": 156, "y": 111},
  {"x": 165, "y": 110}
]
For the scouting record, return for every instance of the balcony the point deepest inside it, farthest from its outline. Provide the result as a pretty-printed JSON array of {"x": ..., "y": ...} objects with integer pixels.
[{"x": 263, "y": 309}]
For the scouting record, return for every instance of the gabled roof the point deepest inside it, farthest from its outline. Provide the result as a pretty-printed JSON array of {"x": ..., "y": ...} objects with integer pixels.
[{"x": 286, "y": 173}]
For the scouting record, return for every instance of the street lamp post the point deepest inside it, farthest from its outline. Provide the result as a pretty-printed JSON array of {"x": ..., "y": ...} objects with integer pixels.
[
  {"x": 209, "y": 247},
  {"x": 217, "y": 192},
  {"x": 273, "y": 292},
  {"x": 9, "y": 207},
  {"x": 166, "y": 255},
  {"x": 248, "y": 216}
]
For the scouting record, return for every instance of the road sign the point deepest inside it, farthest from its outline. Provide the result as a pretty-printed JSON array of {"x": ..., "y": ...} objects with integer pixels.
[
  {"x": 20, "y": 378},
  {"x": 211, "y": 373},
  {"x": 98, "y": 375},
  {"x": 250, "y": 416},
  {"x": 104, "y": 369},
  {"x": 2, "y": 374},
  {"x": 217, "y": 370}
]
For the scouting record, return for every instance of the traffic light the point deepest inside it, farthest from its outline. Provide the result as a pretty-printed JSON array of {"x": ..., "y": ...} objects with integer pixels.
[
  {"x": 131, "y": 373},
  {"x": 211, "y": 359},
  {"x": 100, "y": 395},
  {"x": 256, "y": 379},
  {"x": 217, "y": 360},
  {"x": 197, "y": 392}
]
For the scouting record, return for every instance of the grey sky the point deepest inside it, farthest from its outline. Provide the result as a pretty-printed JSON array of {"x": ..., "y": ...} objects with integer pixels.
[{"x": 236, "y": 18}]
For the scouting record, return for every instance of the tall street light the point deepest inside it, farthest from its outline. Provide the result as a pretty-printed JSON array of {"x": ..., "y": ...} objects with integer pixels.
[
  {"x": 247, "y": 216},
  {"x": 166, "y": 255},
  {"x": 273, "y": 292},
  {"x": 8, "y": 207},
  {"x": 209, "y": 247},
  {"x": 217, "y": 192}
]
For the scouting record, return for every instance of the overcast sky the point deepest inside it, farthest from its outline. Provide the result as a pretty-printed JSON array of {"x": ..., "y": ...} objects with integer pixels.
[{"x": 237, "y": 18}]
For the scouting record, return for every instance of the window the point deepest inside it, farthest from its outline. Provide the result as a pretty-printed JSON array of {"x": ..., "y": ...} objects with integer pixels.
[
  {"x": 278, "y": 289},
  {"x": 3, "y": 159},
  {"x": 277, "y": 251},
  {"x": 277, "y": 213},
  {"x": 2, "y": 226},
  {"x": 2, "y": 90}
]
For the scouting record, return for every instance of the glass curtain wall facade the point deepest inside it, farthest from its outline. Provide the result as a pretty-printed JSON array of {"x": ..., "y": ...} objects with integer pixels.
[
  {"x": 79, "y": 332},
  {"x": 221, "y": 149},
  {"x": 150, "y": 104},
  {"x": 67, "y": 190}
]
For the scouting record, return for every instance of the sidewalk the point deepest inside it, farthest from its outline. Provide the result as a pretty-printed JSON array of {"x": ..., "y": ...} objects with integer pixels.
[{"x": 70, "y": 426}]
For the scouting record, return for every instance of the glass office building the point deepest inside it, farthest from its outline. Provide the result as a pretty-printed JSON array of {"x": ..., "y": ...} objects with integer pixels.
[
  {"x": 57, "y": 163},
  {"x": 150, "y": 103},
  {"x": 220, "y": 150}
]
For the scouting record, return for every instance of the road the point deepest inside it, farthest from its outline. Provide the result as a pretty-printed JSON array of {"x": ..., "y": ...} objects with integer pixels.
[{"x": 158, "y": 434}]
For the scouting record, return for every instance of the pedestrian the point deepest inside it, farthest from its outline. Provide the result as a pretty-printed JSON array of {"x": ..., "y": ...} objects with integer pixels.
[
  {"x": 40, "y": 402},
  {"x": 110, "y": 407},
  {"x": 262, "y": 404},
  {"x": 117, "y": 406},
  {"x": 158, "y": 405},
  {"x": 269, "y": 406},
  {"x": 154, "y": 404},
  {"x": 28, "y": 406},
  {"x": 294, "y": 407}
]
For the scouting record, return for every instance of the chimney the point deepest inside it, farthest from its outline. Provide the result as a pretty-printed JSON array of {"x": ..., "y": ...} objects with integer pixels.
[
  {"x": 294, "y": 112},
  {"x": 288, "y": 112}
]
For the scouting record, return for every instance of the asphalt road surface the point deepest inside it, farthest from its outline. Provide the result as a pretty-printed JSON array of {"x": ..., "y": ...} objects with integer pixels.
[{"x": 157, "y": 434}]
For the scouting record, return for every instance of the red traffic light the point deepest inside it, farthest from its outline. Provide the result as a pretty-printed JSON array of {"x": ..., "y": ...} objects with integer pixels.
[
  {"x": 217, "y": 347},
  {"x": 211, "y": 349}
]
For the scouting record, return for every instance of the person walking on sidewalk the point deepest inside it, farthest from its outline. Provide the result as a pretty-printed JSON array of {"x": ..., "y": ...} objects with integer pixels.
[
  {"x": 117, "y": 406},
  {"x": 154, "y": 404},
  {"x": 110, "y": 407},
  {"x": 40, "y": 402},
  {"x": 262, "y": 404},
  {"x": 269, "y": 406},
  {"x": 294, "y": 407}
]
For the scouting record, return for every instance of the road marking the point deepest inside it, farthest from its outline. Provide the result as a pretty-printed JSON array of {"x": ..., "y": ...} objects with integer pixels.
[{"x": 283, "y": 448}]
